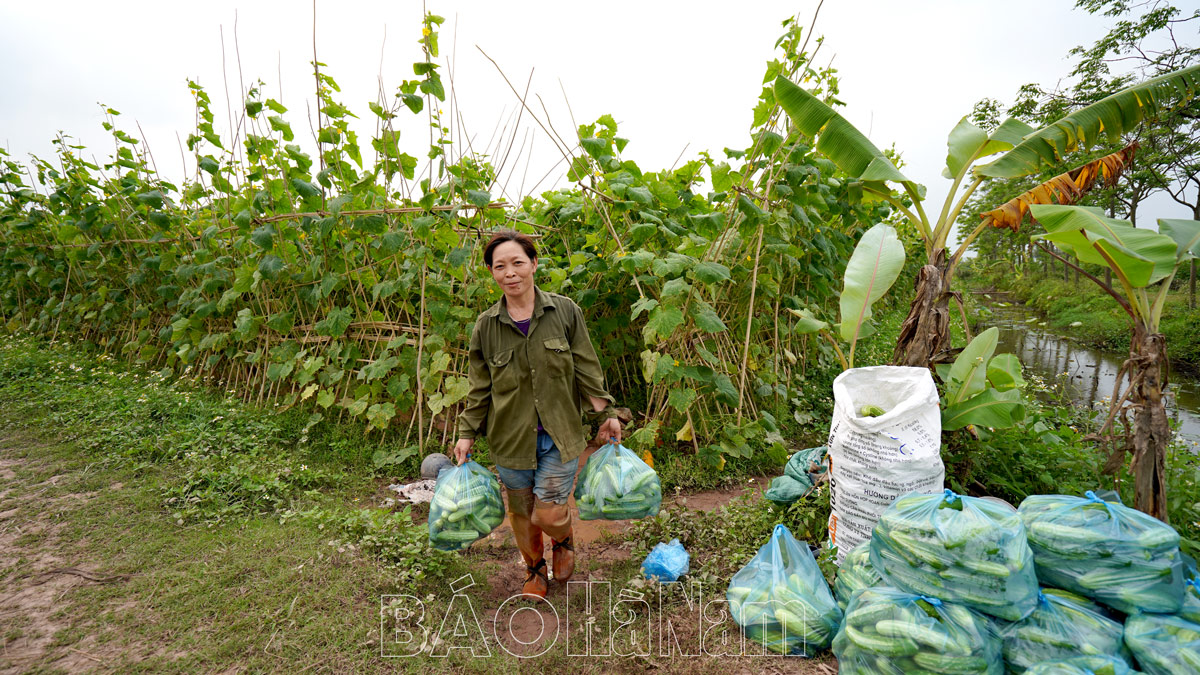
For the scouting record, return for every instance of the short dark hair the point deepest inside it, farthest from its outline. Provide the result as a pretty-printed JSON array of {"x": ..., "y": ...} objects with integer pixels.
[{"x": 501, "y": 236}]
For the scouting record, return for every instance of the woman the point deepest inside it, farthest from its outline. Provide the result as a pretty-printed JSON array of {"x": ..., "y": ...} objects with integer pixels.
[{"x": 533, "y": 371}]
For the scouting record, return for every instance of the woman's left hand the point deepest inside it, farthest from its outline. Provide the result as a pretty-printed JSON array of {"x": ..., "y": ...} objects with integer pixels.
[{"x": 610, "y": 431}]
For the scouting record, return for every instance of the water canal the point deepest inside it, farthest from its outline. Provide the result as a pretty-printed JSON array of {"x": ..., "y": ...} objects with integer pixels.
[{"x": 1085, "y": 374}]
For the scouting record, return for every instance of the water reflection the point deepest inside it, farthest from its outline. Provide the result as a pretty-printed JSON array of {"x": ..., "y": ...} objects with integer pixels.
[{"x": 1090, "y": 373}]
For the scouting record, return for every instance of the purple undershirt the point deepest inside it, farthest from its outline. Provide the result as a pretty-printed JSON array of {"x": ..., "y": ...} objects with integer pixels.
[{"x": 523, "y": 326}]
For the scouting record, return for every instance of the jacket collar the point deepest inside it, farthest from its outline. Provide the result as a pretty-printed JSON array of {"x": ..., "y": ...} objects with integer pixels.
[{"x": 541, "y": 302}]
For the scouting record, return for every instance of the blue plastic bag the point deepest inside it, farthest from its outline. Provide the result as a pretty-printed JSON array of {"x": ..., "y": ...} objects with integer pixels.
[
  {"x": 958, "y": 549},
  {"x": 1083, "y": 665},
  {"x": 667, "y": 562},
  {"x": 1116, "y": 555},
  {"x": 781, "y": 600},
  {"x": 616, "y": 484},
  {"x": 1163, "y": 644},
  {"x": 855, "y": 574},
  {"x": 466, "y": 507},
  {"x": 1062, "y": 626},
  {"x": 889, "y": 632}
]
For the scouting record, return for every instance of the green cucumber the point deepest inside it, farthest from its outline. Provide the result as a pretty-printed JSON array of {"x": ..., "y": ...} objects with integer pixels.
[
  {"x": 1038, "y": 635},
  {"x": 1045, "y": 531},
  {"x": 442, "y": 499},
  {"x": 881, "y": 645},
  {"x": 643, "y": 480},
  {"x": 951, "y": 665},
  {"x": 456, "y": 537},
  {"x": 1103, "y": 578},
  {"x": 921, "y": 634},
  {"x": 477, "y": 523},
  {"x": 987, "y": 567},
  {"x": 869, "y": 615}
]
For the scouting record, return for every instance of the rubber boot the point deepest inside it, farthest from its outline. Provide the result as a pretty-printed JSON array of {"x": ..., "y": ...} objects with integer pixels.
[
  {"x": 555, "y": 520},
  {"x": 529, "y": 540}
]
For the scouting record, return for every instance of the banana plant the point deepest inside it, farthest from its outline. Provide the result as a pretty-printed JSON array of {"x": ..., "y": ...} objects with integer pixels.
[
  {"x": 1144, "y": 263},
  {"x": 925, "y": 332},
  {"x": 982, "y": 388},
  {"x": 873, "y": 267}
]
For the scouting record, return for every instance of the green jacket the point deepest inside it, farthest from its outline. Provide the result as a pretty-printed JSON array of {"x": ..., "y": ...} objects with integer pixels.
[{"x": 515, "y": 380}]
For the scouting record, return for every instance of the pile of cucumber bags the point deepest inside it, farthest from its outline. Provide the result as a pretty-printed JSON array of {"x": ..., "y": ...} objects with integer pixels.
[
  {"x": 781, "y": 599},
  {"x": 958, "y": 554},
  {"x": 466, "y": 507},
  {"x": 616, "y": 484}
]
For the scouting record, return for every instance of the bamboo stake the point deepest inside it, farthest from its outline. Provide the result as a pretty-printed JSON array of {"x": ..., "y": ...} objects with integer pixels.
[
  {"x": 749, "y": 322},
  {"x": 420, "y": 383}
]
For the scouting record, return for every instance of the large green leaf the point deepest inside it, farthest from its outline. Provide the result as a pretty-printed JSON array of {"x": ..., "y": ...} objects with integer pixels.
[
  {"x": 965, "y": 140},
  {"x": 873, "y": 268},
  {"x": 1142, "y": 256},
  {"x": 706, "y": 318},
  {"x": 990, "y": 408},
  {"x": 1004, "y": 372},
  {"x": 1186, "y": 235},
  {"x": 663, "y": 321},
  {"x": 837, "y": 139},
  {"x": 1010, "y": 133},
  {"x": 1113, "y": 115},
  {"x": 968, "y": 375},
  {"x": 807, "y": 323}
]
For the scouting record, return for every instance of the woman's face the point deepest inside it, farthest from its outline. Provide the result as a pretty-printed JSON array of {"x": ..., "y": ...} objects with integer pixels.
[{"x": 512, "y": 269}]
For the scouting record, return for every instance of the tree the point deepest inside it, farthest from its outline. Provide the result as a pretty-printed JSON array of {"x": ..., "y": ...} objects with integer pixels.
[
  {"x": 1144, "y": 263},
  {"x": 1168, "y": 147},
  {"x": 925, "y": 334}
]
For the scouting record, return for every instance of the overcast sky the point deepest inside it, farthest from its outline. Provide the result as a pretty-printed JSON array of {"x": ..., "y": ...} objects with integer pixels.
[{"x": 679, "y": 77}]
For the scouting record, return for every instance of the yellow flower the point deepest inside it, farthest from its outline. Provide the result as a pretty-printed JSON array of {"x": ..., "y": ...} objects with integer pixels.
[{"x": 425, "y": 32}]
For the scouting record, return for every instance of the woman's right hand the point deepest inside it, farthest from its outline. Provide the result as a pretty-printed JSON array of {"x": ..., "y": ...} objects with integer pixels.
[{"x": 462, "y": 449}]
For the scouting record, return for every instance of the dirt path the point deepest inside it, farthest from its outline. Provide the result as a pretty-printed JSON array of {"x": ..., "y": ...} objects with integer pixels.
[
  {"x": 37, "y": 568},
  {"x": 72, "y": 601}
]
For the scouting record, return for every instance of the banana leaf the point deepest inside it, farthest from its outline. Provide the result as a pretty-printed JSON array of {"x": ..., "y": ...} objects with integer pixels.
[{"x": 1112, "y": 116}]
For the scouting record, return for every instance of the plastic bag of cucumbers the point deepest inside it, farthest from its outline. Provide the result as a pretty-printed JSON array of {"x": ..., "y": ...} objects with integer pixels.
[
  {"x": 889, "y": 632},
  {"x": 1191, "y": 601},
  {"x": 1162, "y": 644},
  {"x": 466, "y": 506},
  {"x": 855, "y": 574},
  {"x": 616, "y": 484},
  {"x": 1083, "y": 665},
  {"x": 960, "y": 549},
  {"x": 1111, "y": 553},
  {"x": 781, "y": 600},
  {"x": 1064, "y": 625}
]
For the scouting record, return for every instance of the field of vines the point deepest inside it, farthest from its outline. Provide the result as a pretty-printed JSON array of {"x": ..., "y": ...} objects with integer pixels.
[{"x": 346, "y": 283}]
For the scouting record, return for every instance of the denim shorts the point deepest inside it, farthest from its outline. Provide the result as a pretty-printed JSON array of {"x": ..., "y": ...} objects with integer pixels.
[{"x": 552, "y": 480}]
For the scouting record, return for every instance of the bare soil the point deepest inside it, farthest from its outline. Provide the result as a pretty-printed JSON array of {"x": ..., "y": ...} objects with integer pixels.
[{"x": 37, "y": 572}]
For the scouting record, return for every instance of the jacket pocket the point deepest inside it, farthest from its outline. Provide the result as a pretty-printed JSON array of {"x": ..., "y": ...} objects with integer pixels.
[
  {"x": 504, "y": 373},
  {"x": 559, "y": 359}
]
